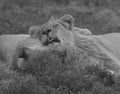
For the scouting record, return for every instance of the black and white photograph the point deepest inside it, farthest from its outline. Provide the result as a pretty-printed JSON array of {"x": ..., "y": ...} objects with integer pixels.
[{"x": 59, "y": 46}]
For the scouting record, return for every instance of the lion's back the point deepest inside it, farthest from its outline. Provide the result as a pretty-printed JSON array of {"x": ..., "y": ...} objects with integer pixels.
[
  {"x": 111, "y": 43},
  {"x": 112, "y": 40}
]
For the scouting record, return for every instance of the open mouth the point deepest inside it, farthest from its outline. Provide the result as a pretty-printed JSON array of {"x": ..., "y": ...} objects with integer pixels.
[
  {"x": 48, "y": 39},
  {"x": 51, "y": 41}
]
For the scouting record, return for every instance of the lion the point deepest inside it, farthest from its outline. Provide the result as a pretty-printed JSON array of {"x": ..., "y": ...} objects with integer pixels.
[
  {"x": 58, "y": 34},
  {"x": 11, "y": 45},
  {"x": 19, "y": 51},
  {"x": 25, "y": 51},
  {"x": 56, "y": 41},
  {"x": 15, "y": 49},
  {"x": 67, "y": 21}
]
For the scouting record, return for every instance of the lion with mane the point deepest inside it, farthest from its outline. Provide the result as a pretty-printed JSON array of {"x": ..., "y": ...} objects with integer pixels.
[{"x": 81, "y": 48}]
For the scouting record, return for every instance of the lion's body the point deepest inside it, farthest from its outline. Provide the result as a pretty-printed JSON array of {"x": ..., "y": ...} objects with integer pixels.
[
  {"x": 110, "y": 45},
  {"x": 81, "y": 48},
  {"x": 76, "y": 47},
  {"x": 99, "y": 49},
  {"x": 8, "y": 44}
]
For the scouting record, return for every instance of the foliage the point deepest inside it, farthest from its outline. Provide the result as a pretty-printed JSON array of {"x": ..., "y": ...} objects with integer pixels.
[{"x": 100, "y": 16}]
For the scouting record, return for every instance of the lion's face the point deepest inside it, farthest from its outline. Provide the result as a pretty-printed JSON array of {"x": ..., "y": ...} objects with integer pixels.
[
  {"x": 49, "y": 33},
  {"x": 56, "y": 31},
  {"x": 30, "y": 54},
  {"x": 25, "y": 51}
]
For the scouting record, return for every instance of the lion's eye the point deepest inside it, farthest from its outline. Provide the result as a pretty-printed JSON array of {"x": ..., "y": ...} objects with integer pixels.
[
  {"x": 49, "y": 30},
  {"x": 46, "y": 32}
]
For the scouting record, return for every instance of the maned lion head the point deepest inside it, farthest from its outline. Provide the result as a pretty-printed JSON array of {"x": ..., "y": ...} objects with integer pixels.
[{"x": 56, "y": 31}]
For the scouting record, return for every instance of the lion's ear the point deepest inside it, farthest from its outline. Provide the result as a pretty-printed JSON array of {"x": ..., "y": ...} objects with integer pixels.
[
  {"x": 33, "y": 31},
  {"x": 68, "y": 21}
]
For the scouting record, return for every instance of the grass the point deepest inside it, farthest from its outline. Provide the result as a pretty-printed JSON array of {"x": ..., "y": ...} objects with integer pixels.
[{"x": 98, "y": 16}]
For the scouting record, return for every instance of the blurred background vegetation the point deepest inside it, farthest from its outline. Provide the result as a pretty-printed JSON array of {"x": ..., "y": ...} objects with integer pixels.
[{"x": 100, "y": 16}]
